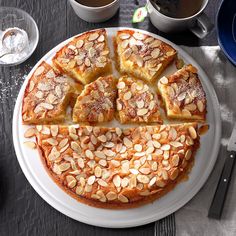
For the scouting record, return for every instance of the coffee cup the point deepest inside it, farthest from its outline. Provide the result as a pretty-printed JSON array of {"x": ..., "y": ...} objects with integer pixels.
[
  {"x": 198, "y": 23},
  {"x": 95, "y": 14}
]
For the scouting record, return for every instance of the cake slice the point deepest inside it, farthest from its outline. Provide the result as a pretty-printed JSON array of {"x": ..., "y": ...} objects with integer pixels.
[
  {"x": 136, "y": 102},
  {"x": 96, "y": 103},
  {"x": 142, "y": 55},
  {"x": 47, "y": 95},
  {"x": 85, "y": 57},
  {"x": 183, "y": 95},
  {"x": 114, "y": 168}
]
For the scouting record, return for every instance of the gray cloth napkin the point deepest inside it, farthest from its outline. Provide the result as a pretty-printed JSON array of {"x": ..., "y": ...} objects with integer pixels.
[{"x": 192, "y": 220}]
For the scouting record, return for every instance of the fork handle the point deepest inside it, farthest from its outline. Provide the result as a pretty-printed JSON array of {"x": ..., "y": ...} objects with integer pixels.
[{"x": 217, "y": 203}]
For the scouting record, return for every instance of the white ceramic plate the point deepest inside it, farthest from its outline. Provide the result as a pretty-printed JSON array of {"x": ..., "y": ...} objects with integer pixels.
[{"x": 205, "y": 159}]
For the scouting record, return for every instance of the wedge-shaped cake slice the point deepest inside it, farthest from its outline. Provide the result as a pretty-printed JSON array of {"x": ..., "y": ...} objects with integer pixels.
[
  {"x": 96, "y": 103},
  {"x": 85, "y": 57},
  {"x": 142, "y": 55},
  {"x": 114, "y": 168},
  {"x": 183, "y": 94},
  {"x": 47, "y": 95},
  {"x": 136, "y": 102}
]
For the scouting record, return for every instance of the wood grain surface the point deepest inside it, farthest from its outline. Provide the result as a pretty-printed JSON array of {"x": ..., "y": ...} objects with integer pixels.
[{"x": 22, "y": 210}]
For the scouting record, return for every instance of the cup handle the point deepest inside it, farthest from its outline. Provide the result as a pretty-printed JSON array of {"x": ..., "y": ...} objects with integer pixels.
[{"x": 202, "y": 27}]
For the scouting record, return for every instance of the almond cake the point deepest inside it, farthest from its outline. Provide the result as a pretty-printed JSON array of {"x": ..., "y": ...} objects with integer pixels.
[
  {"x": 115, "y": 168},
  {"x": 96, "y": 103},
  {"x": 136, "y": 102},
  {"x": 47, "y": 95},
  {"x": 85, "y": 57},
  {"x": 183, "y": 94},
  {"x": 123, "y": 166},
  {"x": 142, "y": 55}
]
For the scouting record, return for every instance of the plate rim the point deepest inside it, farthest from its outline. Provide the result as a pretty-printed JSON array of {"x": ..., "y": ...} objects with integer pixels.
[{"x": 97, "y": 222}]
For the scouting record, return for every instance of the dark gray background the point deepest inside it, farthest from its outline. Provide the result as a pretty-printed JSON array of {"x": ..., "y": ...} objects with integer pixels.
[{"x": 22, "y": 210}]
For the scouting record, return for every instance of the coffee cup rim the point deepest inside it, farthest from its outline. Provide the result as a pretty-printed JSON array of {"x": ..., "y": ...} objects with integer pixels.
[
  {"x": 184, "y": 18},
  {"x": 94, "y": 8}
]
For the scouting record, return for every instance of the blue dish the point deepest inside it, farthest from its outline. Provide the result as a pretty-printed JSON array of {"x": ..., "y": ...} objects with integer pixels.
[{"x": 226, "y": 28}]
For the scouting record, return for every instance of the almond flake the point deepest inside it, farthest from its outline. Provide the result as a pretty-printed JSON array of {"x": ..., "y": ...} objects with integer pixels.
[
  {"x": 39, "y": 71},
  {"x": 91, "y": 180},
  {"x": 192, "y": 132},
  {"x": 164, "y": 80},
  {"x": 102, "y": 183},
  {"x": 124, "y": 36},
  {"x": 155, "y": 53},
  {"x": 30, "y": 133},
  {"x": 93, "y": 36},
  {"x": 188, "y": 154},
  {"x": 143, "y": 179},
  {"x": 123, "y": 198},
  {"x": 111, "y": 196},
  {"x": 127, "y": 142},
  {"x": 89, "y": 154},
  {"x": 200, "y": 106},
  {"x": 30, "y": 144},
  {"x": 64, "y": 166},
  {"x": 142, "y": 112},
  {"x": 127, "y": 95}
]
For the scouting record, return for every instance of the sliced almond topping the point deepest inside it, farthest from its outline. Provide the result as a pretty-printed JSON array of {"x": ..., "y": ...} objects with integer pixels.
[
  {"x": 145, "y": 171},
  {"x": 101, "y": 38},
  {"x": 188, "y": 154},
  {"x": 186, "y": 112},
  {"x": 142, "y": 112},
  {"x": 117, "y": 180},
  {"x": 93, "y": 36},
  {"x": 176, "y": 144},
  {"x": 52, "y": 141},
  {"x": 102, "y": 138},
  {"x": 160, "y": 183},
  {"x": 143, "y": 179},
  {"x": 165, "y": 147},
  {"x": 138, "y": 147},
  {"x": 191, "y": 107},
  {"x": 155, "y": 53},
  {"x": 164, "y": 80},
  {"x": 192, "y": 132},
  {"x": 152, "y": 181},
  {"x": 200, "y": 106},
  {"x": 127, "y": 142},
  {"x": 64, "y": 166},
  {"x": 138, "y": 36},
  {"x": 175, "y": 160},
  {"x": 54, "y": 130},
  {"x": 79, "y": 43},
  {"x": 71, "y": 181},
  {"x": 100, "y": 154},
  {"x": 134, "y": 171},
  {"x": 89, "y": 154},
  {"x": 174, "y": 173},
  {"x": 121, "y": 85},
  {"x": 30, "y": 133},
  {"x": 111, "y": 196},
  {"x": 98, "y": 171},
  {"x": 127, "y": 95},
  {"x": 127, "y": 53},
  {"x": 102, "y": 182},
  {"x": 30, "y": 144},
  {"x": 124, "y": 36},
  {"x": 75, "y": 146},
  {"x": 79, "y": 190},
  {"x": 124, "y": 44},
  {"x": 140, "y": 104},
  {"x": 91, "y": 180},
  {"x": 164, "y": 174},
  {"x": 39, "y": 71},
  {"x": 80, "y": 162},
  {"x": 123, "y": 198}
]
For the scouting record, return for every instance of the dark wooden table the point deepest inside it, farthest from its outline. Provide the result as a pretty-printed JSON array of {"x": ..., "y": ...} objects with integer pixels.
[{"x": 22, "y": 210}]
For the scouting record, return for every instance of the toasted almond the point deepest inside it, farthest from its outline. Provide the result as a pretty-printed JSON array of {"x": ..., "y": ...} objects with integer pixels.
[
  {"x": 111, "y": 196},
  {"x": 188, "y": 154},
  {"x": 160, "y": 183},
  {"x": 138, "y": 36},
  {"x": 140, "y": 104},
  {"x": 71, "y": 181},
  {"x": 155, "y": 53},
  {"x": 102, "y": 182},
  {"x": 138, "y": 147},
  {"x": 127, "y": 95},
  {"x": 145, "y": 171},
  {"x": 39, "y": 71},
  {"x": 124, "y": 44},
  {"x": 127, "y": 53},
  {"x": 186, "y": 112},
  {"x": 117, "y": 180},
  {"x": 102, "y": 138},
  {"x": 124, "y": 36},
  {"x": 30, "y": 144},
  {"x": 174, "y": 173},
  {"x": 143, "y": 179},
  {"x": 191, "y": 107},
  {"x": 91, "y": 180},
  {"x": 121, "y": 85},
  {"x": 52, "y": 141},
  {"x": 79, "y": 190},
  {"x": 123, "y": 198},
  {"x": 164, "y": 80},
  {"x": 176, "y": 144},
  {"x": 142, "y": 112},
  {"x": 89, "y": 154},
  {"x": 165, "y": 147},
  {"x": 75, "y": 146},
  {"x": 127, "y": 142},
  {"x": 98, "y": 171},
  {"x": 93, "y": 36},
  {"x": 54, "y": 130},
  {"x": 200, "y": 106},
  {"x": 64, "y": 166},
  {"x": 175, "y": 160},
  {"x": 30, "y": 133},
  {"x": 192, "y": 132}
]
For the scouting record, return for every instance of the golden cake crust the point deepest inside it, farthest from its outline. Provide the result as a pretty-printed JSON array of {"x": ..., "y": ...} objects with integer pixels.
[
  {"x": 136, "y": 102},
  {"x": 142, "y": 55},
  {"x": 96, "y": 103},
  {"x": 47, "y": 95},
  {"x": 183, "y": 94},
  {"x": 85, "y": 57},
  {"x": 114, "y": 168}
]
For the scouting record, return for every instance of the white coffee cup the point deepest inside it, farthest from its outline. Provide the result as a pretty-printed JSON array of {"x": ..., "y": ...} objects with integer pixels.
[
  {"x": 95, "y": 14},
  {"x": 198, "y": 23}
]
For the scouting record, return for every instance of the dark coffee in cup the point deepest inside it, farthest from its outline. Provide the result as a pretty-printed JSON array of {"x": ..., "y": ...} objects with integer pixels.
[
  {"x": 94, "y": 3},
  {"x": 177, "y": 8}
]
